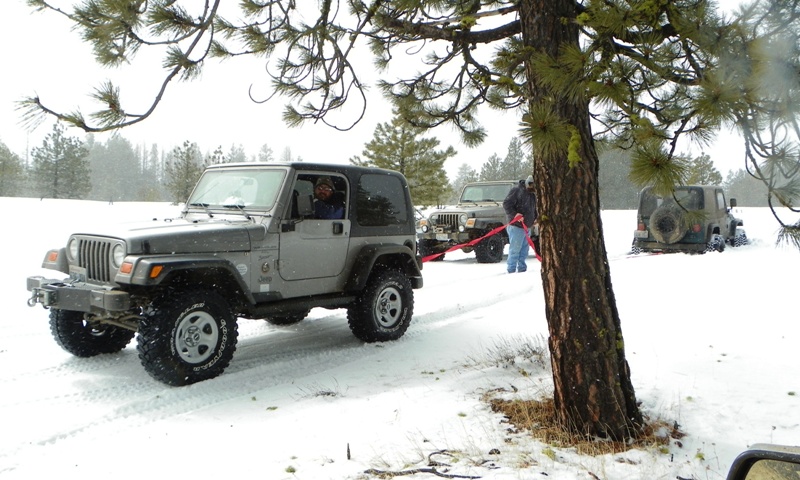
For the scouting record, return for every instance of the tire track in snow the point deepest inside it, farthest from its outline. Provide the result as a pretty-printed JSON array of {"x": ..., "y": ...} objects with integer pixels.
[{"x": 267, "y": 356}]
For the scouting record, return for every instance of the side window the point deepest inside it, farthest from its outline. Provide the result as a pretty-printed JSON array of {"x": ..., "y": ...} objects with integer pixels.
[
  {"x": 321, "y": 196},
  {"x": 720, "y": 200},
  {"x": 381, "y": 201}
]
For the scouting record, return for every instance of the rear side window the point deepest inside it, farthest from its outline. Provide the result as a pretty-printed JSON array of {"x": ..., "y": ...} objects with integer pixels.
[
  {"x": 380, "y": 201},
  {"x": 721, "y": 200}
]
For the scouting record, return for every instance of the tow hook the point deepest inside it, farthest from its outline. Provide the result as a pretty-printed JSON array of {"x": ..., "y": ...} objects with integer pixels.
[{"x": 36, "y": 297}]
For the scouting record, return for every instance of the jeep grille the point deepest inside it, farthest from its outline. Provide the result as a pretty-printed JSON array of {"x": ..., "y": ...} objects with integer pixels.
[
  {"x": 95, "y": 257},
  {"x": 448, "y": 219}
]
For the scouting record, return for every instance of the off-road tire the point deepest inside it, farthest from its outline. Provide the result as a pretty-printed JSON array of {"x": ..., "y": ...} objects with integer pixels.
[
  {"x": 383, "y": 310},
  {"x": 490, "y": 250},
  {"x": 716, "y": 244},
  {"x": 86, "y": 339},
  {"x": 287, "y": 319},
  {"x": 740, "y": 239},
  {"x": 186, "y": 337},
  {"x": 427, "y": 247},
  {"x": 667, "y": 224}
]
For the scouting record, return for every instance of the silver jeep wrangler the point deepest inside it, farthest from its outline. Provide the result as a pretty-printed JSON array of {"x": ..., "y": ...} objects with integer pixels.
[
  {"x": 246, "y": 245},
  {"x": 694, "y": 219}
]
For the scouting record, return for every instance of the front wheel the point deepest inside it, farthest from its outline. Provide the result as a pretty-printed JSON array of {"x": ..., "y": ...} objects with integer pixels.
[
  {"x": 383, "y": 310},
  {"x": 84, "y": 338},
  {"x": 490, "y": 250},
  {"x": 429, "y": 247},
  {"x": 187, "y": 337}
]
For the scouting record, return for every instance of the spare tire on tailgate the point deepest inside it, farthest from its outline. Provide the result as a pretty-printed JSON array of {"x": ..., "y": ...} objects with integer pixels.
[{"x": 667, "y": 223}]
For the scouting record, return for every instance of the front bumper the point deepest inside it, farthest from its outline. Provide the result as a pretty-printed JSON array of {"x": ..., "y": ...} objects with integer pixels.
[
  {"x": 450, "y": 237},
  {"x": 76, "y": 296}
]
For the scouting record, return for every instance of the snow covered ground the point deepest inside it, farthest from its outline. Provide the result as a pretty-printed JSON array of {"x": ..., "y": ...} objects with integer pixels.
[{"x": 712, "y": 342}]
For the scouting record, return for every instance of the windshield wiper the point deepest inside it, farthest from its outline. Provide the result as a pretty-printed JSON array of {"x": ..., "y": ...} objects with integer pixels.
[
  {"x": 241, "y": 208},
  {"x": 202, "y": 205}
]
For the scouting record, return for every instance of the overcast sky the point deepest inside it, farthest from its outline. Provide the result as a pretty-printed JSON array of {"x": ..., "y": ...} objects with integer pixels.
[{"x": 42, "y": 56}]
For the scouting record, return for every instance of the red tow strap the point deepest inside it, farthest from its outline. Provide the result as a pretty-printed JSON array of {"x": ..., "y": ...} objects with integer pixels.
[{"x": 492, "y": 232}]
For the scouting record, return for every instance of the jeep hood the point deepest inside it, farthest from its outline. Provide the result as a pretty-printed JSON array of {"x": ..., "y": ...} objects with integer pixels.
[
  {"x": 492, "y": 208},
  {"x": 178, "y": 235}
]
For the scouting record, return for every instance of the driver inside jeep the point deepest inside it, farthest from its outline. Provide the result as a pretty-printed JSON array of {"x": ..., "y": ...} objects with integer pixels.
[{"x": 328, "y": 203}]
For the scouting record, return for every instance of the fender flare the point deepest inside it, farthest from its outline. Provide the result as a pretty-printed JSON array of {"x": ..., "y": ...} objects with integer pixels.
[
  {"x": 172, "y": 266},
  {"x": 397, "y": 256}
]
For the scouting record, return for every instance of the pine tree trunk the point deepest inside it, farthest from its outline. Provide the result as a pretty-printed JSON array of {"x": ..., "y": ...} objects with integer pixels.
[{"x": 593, "y": 390}]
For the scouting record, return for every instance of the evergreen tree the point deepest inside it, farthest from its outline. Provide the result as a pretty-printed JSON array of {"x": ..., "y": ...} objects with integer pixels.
[
  {"x": 11, "y": 172},
  {"x": 492, "y": 169},
  {"x": 115, "y": 169},
  {"x": 398, "y": 146},
  {"x": 183, "y": 168},
  {"x": 701, "y": 171},
  {"x": 465, "y": 175},
  {"x": 747, "y": 190},
  {"x": 215, "y": 157},
  {"x": 151, "y": 189},
  {"x": 287, "y": 156},
  {"x": 265, "y": 154},
  {"x": 60, "y": 166},
  {"x": 516, "y": 165},
  {"x": 236, "y": 154},
  {"x": 658, "y": 72}
]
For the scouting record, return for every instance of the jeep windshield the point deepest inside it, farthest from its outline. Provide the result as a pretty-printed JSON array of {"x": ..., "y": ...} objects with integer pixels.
[
  {"x": 484, "y": 193},
  {"x": 690, "y": 198},
  {"x": 237, "y": 189}
]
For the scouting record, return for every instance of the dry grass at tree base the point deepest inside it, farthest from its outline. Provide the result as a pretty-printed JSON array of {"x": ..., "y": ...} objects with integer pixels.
[{"x": 538, "y": 417}]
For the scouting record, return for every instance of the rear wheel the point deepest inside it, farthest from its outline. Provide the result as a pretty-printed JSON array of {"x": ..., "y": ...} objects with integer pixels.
[
  {"x": 383, "y": 310},
  {"x": 490, "y": 250},
  {"x": 186, "y": 337},
  {"x": 84, "y": 338},
  {"x": 716, "y": 244}
]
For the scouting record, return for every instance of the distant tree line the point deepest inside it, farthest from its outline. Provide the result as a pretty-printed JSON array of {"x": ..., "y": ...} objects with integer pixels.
[
  {"x": 617, "y": 191},
  {"x": 116, "y": 170}
]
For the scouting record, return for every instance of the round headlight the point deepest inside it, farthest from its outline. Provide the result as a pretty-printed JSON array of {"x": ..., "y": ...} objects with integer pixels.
[
  {"x": 118, "y": 254},
  {"x": 462, "y": 219},
  {"x": 72, "y": 248}
]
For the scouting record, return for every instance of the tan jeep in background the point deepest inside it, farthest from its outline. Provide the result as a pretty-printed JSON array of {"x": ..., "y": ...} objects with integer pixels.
[{"x": 694, "y": 219}]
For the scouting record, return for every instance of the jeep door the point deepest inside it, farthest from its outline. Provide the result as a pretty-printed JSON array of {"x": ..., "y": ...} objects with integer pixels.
[{"x": 309, "y": 247}]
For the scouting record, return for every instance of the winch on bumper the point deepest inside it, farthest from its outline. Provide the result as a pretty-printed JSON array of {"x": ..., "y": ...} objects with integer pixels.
[{"x": 76, "y": 296}]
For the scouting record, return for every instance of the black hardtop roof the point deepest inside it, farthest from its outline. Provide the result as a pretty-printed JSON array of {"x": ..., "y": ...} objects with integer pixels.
[
  {"x": 493, "y": 182},
  {"x": 317, "y": 166},
  {"x": 686, "y": 187}
]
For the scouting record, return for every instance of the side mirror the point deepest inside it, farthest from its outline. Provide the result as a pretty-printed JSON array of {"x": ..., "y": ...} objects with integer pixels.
[
  {"x": 766, "y": 462},
  {"x": 733, "y": 203}
]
